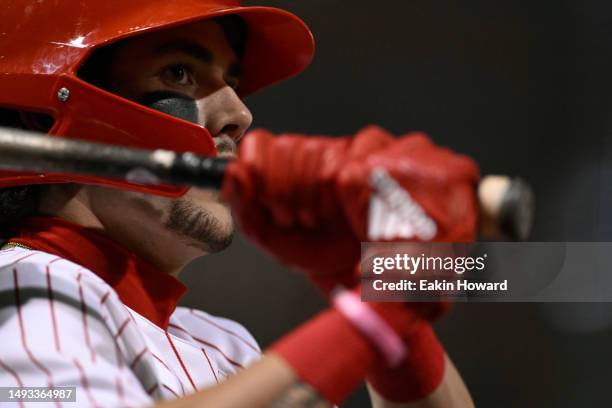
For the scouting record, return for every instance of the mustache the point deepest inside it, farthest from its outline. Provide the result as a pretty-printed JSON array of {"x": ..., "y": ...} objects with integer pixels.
[{"x": 225, "y": 144}]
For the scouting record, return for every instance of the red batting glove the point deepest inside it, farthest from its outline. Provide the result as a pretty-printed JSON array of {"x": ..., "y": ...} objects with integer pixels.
[
  {"x": 310, "y": 201},
  {"x": 283, "y": 191},
  {"x": 421, "y": 372}
]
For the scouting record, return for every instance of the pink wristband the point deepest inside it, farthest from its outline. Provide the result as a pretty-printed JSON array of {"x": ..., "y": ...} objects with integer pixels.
[{"x": 375, "y": 329}]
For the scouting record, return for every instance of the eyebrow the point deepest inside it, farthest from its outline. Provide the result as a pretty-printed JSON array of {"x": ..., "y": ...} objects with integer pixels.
[{"x": 196, "y": 51}]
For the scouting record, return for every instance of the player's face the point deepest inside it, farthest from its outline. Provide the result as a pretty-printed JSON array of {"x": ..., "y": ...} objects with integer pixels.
[{"x": 196, "y": 61}]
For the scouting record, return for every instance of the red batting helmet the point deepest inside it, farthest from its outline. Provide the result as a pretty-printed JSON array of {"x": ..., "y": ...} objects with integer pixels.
[{"x": 43, "y": 43}]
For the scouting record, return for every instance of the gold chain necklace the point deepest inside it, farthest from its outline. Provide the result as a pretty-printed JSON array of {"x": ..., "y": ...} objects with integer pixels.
[{"x": 14, "y": 245}]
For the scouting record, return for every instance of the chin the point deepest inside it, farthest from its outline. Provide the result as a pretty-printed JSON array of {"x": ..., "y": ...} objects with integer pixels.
[{"x": 202, "y": 221}]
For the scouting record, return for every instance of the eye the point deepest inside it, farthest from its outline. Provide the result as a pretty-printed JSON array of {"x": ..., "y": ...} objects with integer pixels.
[{"x": 178, "y": 75}]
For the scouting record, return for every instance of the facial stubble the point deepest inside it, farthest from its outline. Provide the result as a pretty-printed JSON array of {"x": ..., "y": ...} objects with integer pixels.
[{"x": 199, "y": 226}]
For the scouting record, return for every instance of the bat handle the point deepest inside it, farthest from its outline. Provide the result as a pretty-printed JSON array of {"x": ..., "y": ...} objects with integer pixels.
[
  {"x": 194, "y": 170},
  {"x": 507, "y": 208}
]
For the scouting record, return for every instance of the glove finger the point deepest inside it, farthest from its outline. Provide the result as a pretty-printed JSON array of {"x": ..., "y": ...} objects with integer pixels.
[
  {"x": 411, "y": 141},
  {"x": 326, "y": 200},
  {"x": 251, "y": 156},
  {"x": 237, "y": 188},
  {"x": 354, "y": 191},
  {"x": 370, "y": 139},
  {"x": 280, "y": 179},
  {"x": 307, "y": 195},
  {"x": 259, "y": 160}
]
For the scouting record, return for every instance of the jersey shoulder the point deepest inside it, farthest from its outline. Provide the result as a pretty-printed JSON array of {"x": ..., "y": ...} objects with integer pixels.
[{"x": 22, "y": 268}]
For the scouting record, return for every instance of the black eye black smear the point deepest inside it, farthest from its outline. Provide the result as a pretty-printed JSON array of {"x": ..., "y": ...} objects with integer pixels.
[{"x": 172, "y": 103}]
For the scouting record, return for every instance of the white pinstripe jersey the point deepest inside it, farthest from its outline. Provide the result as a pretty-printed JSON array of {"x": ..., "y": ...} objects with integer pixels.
[{"x": 62, "y": 325}]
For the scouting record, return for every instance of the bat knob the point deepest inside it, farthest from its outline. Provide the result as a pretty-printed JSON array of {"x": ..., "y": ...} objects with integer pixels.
[{"x": 507, "y": 208}]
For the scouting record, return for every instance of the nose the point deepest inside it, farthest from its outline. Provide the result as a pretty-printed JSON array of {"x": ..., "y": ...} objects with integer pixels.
[{"x": 224, "y": 114}]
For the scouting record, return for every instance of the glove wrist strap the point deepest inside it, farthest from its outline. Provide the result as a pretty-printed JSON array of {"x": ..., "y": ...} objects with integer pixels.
[
  {"x": 372, "y": 326},
  {"x": 420, "y": 374}
]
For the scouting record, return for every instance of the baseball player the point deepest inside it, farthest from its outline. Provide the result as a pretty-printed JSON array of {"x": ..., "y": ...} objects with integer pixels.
[{"x": 88, "y": 269}]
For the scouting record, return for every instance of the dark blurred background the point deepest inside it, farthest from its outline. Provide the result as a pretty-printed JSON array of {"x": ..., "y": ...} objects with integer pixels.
[{"x": 521, "y": 86}]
